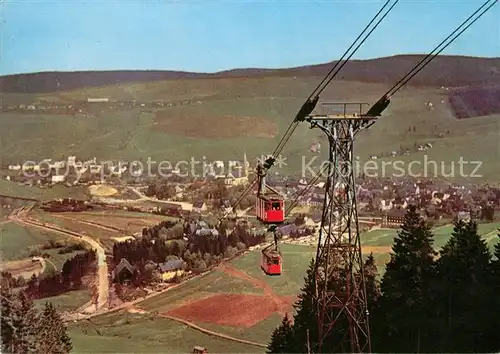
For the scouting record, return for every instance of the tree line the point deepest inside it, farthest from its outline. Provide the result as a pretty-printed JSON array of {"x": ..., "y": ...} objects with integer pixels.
[
  {"x": 70, "y": 277},
  {"x": 426, "y": 301},
  {"x": 26, "y": 330}
]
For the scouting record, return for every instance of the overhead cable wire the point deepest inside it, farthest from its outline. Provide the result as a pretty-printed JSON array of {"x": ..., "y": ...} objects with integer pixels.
[
  {"x": 361, "y": 43},
  {"x": 432, "y": 55},
  {"x": 313, "y": 98},
  {"x": 384, "y": 101},
  {"x": 310, "y": 104},
  {"x": 348, "y": 49}
]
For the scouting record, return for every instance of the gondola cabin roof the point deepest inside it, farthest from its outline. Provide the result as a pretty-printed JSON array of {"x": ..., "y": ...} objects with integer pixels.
[
  {"x": 272, "y": 253},
  {"x": 271, "y": 197}
]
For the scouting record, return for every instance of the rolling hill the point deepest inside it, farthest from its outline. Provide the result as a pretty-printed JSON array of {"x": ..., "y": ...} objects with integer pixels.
[
  {"x": 219, "y": 116},
  {"x": 443, "y": 71}
]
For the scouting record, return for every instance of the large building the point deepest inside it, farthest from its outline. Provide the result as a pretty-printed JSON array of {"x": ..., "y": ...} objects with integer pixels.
[{"x": 97, "y": 100}]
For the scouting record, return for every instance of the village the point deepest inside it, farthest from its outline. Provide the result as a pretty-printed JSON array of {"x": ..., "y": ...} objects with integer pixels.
[{"x": 181, "y": 193}]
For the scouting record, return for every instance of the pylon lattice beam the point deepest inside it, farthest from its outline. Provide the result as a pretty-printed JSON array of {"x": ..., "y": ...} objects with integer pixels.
[{"x": 340, "y": 285}]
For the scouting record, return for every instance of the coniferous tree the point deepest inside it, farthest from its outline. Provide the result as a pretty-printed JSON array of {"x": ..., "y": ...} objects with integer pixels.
[
  {"x": 406, "y": 323},
  {"x": 372, "y": 284},
  {"x": 53, "y": 336},
  {"x": 19, "y": 323},
  {"x": 492, "y": 305},
  {"x": 282, "y": 337},
  {"x": 7, "y": 319},
  {"x": 463, "y": 277},
  {"x": 305, "y": 325},
  {"x": 26, "y": 323}
]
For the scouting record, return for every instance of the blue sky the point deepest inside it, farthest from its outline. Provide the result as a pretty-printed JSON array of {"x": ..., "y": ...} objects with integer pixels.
[{"x": 208, "y": 36}]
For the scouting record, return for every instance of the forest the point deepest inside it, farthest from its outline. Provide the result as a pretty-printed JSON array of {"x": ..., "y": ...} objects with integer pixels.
[{"x": 425, "y": 302}]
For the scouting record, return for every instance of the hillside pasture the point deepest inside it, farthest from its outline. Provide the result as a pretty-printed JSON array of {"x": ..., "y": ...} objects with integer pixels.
[
  {"x": 125, "y": 332},
  {"x": 188, "y": 128},
  {"x": 385, "y": 237},
  {"x": 103, "y": 235},
  {"x": 66, "y": 302},
  {"x": 236, "y": 298},
  {"x": 17, "y": 242},
  {"x": 205, "y": 125},
  {"x": 128, "y": 225},
  {"x": 22, "y": 268},
  {"x": 108, "y": 226},
  {"x": 57, "y": 191}
]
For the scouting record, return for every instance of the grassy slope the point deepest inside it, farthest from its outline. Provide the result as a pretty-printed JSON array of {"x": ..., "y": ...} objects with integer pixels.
[
  {"x": 296, "y": 261},
  {"x": 67, "y": 301},
  {"x": 58, "y": 191},
  {"x": 18, "y": 241},
  {"x": 441, "y": 235},
  {"x": 132, "y": 134},
  {"x": 131, "y": 333}
]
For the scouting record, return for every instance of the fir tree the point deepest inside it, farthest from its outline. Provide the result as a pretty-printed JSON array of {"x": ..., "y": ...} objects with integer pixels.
[
  {"x": 463, "y": 277},
  {"x": 26, "y": 323},
  {"x": 53, "y": 336},
  {"x": 492, "y": 337},
  {"x": 372, "y": 286},
  {"x": 19, "y": 323},
  {"x": 305, "y": 322},
  {"x": 406, "y": 289},
  {"x": 371, "y": 282},
  {"x": 7, "y": 319},
  {"x": 282, "y": 338}
]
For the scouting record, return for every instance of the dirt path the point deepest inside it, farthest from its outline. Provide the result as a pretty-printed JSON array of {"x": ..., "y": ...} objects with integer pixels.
[
  {"x": 102, "y": 267},
  {"x": 280, "y": 305},
  {"x": 212, "y": 333}
]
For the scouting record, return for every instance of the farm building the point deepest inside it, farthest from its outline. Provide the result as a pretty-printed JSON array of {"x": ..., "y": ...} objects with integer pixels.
[
  {"x": 123, "y": 271},
  {"x": 171, "y": 269}
]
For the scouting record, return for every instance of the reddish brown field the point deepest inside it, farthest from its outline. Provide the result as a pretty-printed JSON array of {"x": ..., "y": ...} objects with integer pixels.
[
  {"x": 229, "y": 310},
  {"x": 237, "y": 310}
]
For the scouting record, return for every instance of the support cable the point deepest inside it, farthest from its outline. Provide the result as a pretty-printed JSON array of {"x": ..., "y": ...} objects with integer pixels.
[
  {"x": 377, "y": 109},
  {"x": 311, "y": 102}
]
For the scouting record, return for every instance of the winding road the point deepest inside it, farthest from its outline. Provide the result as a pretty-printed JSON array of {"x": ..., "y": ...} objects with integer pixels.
[{"x": 102, "y": 279}]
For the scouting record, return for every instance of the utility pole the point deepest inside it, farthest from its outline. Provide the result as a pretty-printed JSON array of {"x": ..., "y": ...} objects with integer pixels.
[
  {"x": 340, "y": 284},
  {"x": 308, "y": 343}
]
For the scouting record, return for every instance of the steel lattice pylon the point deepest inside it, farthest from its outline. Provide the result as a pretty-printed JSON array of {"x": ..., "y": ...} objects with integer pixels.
[{"x": 340, "y": 287}]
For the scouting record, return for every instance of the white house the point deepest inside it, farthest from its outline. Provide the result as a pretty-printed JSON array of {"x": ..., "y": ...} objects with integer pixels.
[
  {"x": 97, "y": 100},
  {"x": 58, "y": 178}
]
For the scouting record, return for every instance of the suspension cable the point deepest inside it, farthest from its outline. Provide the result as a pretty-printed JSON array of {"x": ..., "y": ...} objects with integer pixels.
[
  {"x": 384, "y": 101},
  {"x": 347, "y": 51},
  {"x": 456, "y": 35},
  {"x": 362, "y": 42},
  {"x": 311, "y": 102}
]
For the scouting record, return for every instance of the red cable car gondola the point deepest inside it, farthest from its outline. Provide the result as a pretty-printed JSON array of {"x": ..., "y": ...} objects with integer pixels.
[
  {"x": 271, "y": 261},
  {"x": 270, "y": 209},
  {"x": 269, "y": 206}
]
